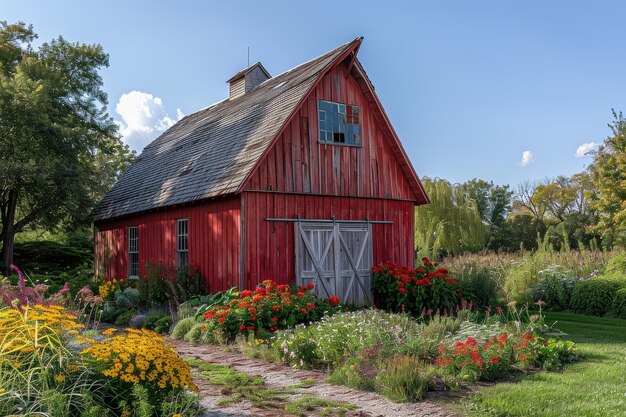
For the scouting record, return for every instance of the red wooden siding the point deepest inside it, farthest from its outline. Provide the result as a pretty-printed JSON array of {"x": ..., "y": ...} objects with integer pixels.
[
  {"x": 299, "y": 163},
  {"x": 214, "y": 241},
  {"x": 269, "y": 246}
]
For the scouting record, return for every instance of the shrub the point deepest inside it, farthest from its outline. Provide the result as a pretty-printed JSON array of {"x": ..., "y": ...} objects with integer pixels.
[
  {"x": 124, "y": 318},
  {"x": 618, "y": 308},
  {"x": 479, "y": 285},
  {"x": 594, "y": 296},
  {"x": 268, "y": 308},
  {"x": 403, "y": 289},
  {"x": 162, "y": 284},
  {"x": 555, "y": 289},
  {"x": 194, "y": 335},
  {"x": 183, "y": 327},
  {"x": 127, "y": 298},
  {"x": 617, "y": 264}
]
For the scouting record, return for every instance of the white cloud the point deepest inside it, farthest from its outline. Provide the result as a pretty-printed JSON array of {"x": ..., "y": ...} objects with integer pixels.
[
  {"x": 143, "y": 118},
  {"x": 585, "y": 148},
  {"x": 527, "y": 158}
]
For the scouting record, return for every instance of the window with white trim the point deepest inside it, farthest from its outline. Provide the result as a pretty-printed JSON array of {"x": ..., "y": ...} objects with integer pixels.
[
  {"x": 133, "y": 251},
  {"x": 339, "y": 123},
  {"x": 182, "y": 239}
]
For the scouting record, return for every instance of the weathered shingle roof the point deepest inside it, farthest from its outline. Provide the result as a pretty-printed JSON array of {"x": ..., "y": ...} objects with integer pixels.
[{"x": 210, "y": 153}]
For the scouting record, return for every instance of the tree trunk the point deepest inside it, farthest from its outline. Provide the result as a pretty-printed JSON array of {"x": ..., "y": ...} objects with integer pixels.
[{"x": 8, "y": 230}]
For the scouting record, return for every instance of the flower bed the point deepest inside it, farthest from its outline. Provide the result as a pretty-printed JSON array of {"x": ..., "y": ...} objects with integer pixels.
[
  {"x": 268, "y": 308},
  {"x": 48, "y": 368},
  {"x": 401, "y": 356},
  {"x": 428, "y": 287}
]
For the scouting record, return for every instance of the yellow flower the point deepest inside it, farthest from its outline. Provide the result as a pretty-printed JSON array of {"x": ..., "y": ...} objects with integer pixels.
[
  {"x": 59, "y": 378},
  {"x": 109, "y": 332}
]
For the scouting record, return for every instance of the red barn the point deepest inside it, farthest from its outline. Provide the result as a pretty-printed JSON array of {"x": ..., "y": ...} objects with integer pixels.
[{"x": 295, "y": 177}]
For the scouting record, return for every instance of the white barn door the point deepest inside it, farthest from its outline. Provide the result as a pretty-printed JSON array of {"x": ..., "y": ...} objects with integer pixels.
[{"x": 337, "y": 258}]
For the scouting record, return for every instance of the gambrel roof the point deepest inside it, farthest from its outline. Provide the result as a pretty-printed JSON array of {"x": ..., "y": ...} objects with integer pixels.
[{"x": 212, "y": 152}]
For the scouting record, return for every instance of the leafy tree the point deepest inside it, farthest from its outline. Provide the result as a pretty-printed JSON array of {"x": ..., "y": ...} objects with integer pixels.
[
  {"x": 59, "y": 149},
  {"x": 451, "y": 222},
  {"x": 492, "y": 201},
  {"x": 609, "y": 178}
]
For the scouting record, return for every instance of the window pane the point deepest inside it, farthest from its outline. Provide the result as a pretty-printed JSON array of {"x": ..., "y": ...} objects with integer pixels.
[{"x": 338, "y": 123}]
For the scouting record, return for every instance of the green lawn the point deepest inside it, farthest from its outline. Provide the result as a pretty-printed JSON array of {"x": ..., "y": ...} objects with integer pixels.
[{"x": 594, "y": 387}]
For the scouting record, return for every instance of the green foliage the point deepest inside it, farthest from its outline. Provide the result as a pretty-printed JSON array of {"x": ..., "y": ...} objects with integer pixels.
[
  {"x": 599, "y": 379},
  {"x": 59, "y": 151},
  {"x": 617, "y": 264},
  {"x": 451, "y": 223},
  {"x": 594, "y": 296},
  {"x": 183, "y": 327},
  {"x": 554, "y": 288},
  {"x": 403, "y": 379},
  {"x": 194, "y": 335},
  {"x": 609, "y": 178},
  {"x": 163, "y": 284},
  {"x": 127, "y": 298},
  {"x": 479, "y": 284},
  {"x": 618, "y": 308},
  {"x": 124, "y": 318},
  {"x": 158, "y": 321},
  {"x": 50, "y": 257},
  {"x": 204, "y": 303}
]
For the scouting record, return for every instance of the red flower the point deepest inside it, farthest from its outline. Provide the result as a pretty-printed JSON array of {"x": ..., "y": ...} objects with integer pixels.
[
  {"x": 242, "y": 327},
  {"x": 250, "y": 328},
  {"x": 253, "y": 318},
  {"x": 310, "y": 286},
  {"x": 333, "y": 301},
  {"x": 277, "y": 308},
  {"x": 252, "y": 310},
  {"x": 260, "y": 290},
  {"x": 221, "y": 319},
  {"x": 494, "y": 359},
  {"x": 528, "y": 336},
  {"x": 245, "y": 293},
  {"x": 522, "y": 357},
  {"x": 257, "y": 298},
  {"x": 502, "y": 339},
  {"x": 310, "y": 305},
  {"x": 499, "y": 309},
  {"x": 300, "y": 294},
  {"x": 401, "y": 289},
  {"x": 274, "y": 319}
]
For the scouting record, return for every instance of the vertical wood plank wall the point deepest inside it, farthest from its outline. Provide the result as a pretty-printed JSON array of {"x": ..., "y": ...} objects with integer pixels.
[
  {"x": 269, "y": 246},
  {"x": 299, "y": 163},
  {"x": 214, "y": 241}
]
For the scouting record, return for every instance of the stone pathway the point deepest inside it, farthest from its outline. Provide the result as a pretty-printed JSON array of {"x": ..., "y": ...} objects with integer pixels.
[{"x": 369, "y": 404}]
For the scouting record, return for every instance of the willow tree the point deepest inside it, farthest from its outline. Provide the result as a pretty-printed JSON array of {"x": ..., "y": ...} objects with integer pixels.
[{"x": 451, "y": 223}]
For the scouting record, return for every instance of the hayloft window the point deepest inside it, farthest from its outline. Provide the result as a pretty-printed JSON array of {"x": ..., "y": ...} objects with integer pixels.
[
  {"x": 182, "y": 238},
  {"x": 133, "y": 251},
  {"x": 339, "y": 123}
]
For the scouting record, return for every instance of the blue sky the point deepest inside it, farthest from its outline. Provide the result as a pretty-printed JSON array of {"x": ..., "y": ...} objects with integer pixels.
[{"x": 469, "y": 86}]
